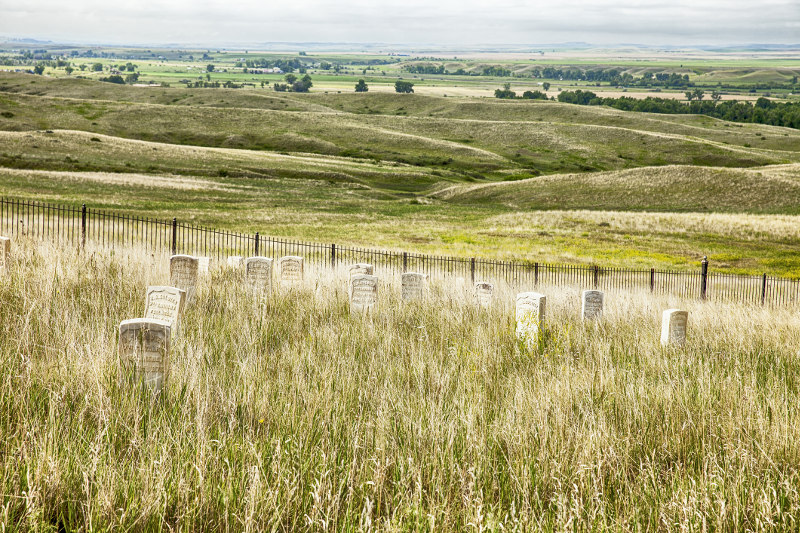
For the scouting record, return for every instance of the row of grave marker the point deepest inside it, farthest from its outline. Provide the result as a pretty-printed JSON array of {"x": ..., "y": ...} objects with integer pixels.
[{"x": 144, "y": 343}]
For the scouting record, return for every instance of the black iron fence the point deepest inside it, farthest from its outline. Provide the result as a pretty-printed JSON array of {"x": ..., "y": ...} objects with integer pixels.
[{"x": 79, "y": 225}]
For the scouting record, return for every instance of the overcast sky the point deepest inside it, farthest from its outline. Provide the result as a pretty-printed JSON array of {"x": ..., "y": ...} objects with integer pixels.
[{"x": 451, "y": 22}]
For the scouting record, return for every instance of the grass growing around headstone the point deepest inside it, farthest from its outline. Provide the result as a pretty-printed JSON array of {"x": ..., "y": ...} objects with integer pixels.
[{"x": 297, "y": 416}]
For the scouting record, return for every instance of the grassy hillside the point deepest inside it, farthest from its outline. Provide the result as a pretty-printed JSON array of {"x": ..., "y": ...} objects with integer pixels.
[{"x": 297, "y": 416}]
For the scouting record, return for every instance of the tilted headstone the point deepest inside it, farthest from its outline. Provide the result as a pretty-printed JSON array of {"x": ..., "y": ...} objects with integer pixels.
[
  {"x": 258, "y": 274},
  {"x": 673, "y": 327},
  {"x": 414, "y": 285},
  {"x": 203, "y": 264},
  {"x": 483, "y": 293},
  {"x": 592, "y": 305},
  {"x": 144, "y": 351},
  {"x": 165, "y": 303},
  {"x": 530, "y": 313},
  {"x": 290, "y": 270},
  {"x": 183, "y": 272},
  {"x": 363, "y": 293},
  {"x": 5, "y": 252},
  {"x": 361, "y": 268},
  {"x": 235, "y": 261}
]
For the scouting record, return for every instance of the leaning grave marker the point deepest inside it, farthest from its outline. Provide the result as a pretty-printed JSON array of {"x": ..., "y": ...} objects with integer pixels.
[
  {"x": 363, "y": 294},
  {"x": 165, "y": 303},
  {"x": 183, "y": 272},
  {"x": 530, "y": 313},
  {"x": 592, "y": 305},
  {"x": 673, "y": 327},
  {"x": 144, "y": 351}
]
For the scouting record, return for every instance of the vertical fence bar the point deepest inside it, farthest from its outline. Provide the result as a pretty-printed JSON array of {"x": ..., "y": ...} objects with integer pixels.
[
  {"x": 764, "y": 288},
  {"x": 83, "y": 226},
  {"x": 258, "y": 243},
  {"x": 174, "y": 236},
  {"x": 405, "y": 261},
  {"x": 703, "y": 278},
  {"x": 333, "y": 256}
]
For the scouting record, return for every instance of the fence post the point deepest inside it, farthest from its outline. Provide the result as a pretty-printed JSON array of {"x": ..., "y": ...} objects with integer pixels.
[
  {"x": 174, "y": 236},
  {"x": 703, "y": 277},
  {"x": 258, "y": 244},
  {"x": 83, "y": 226},
  {"x": 472, "y": 269},
  {"x": 536, "y": 274},
  {"x": 652, "y": 280},
  {"x": 333, "y": 255},
  {"x": 596, "y": 276},
  {"x": 764, "y": 288},
  {"x": 405, "y": 261}
]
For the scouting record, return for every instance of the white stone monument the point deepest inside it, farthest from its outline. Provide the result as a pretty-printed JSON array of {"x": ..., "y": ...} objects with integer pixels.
[
  {"x": 592, "y": 305},
  {"x": 258, "y": 275},
  {"x": 203, "y": 265},
  {"x": 5, "y": 252},
  {"x": 165, "y": 303},
  {"x": 530, "y": 313},
  {"x": 183, "y": 272},
  {"x": 144, "y": 351},
  {"x": 363, "y": 293},
  {"x": 290, "y": 269},
  {"x": 235, "y": 261},
  {"x": 673, "y": 327},
  {"x": 483, "y": 293},
  {"x": 361, "y": 268},
  {"x": 414, "y": 285}
]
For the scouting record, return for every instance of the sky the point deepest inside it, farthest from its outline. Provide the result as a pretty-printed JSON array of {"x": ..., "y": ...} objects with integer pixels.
[{"x": 447, "y": 22}]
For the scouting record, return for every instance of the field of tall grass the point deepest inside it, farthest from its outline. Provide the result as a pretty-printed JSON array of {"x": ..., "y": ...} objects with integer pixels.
[{"x": 294, "y": 415}]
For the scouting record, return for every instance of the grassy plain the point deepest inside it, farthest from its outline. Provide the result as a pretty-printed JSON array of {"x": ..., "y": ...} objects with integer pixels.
[{"x": 296, "y": 416}]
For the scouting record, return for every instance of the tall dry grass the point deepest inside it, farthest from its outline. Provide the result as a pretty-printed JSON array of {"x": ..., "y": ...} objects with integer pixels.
[{"x": 428, "y": 416}]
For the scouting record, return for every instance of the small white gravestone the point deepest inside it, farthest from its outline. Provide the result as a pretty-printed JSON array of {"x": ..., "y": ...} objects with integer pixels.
[
  {"x": 530, "y": 313},
  {"x": 258, "y": 274},
  {"x": 165, "y": 303},
  {"x": 592, "y": 305},
  {"x": 363, "y": 293},
  {"x": 183, "y": 271},
  {"x": 235, "y": 261},
  {"x": 673, "y": 327},
  {"x": 144, "y": 350},
  {"x": 203, "y": 265},
  {"x": 414, "y": 285},
  {"x": 290, "y": 269},
  {"x": 5, "y": 252},
  {"x": 361, "y": 268},
  {"x": 483, "y": 293}
]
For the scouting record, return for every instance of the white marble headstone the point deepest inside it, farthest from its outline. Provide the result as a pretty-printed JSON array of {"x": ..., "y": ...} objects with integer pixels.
[
  {"x": 673, "y": 327},
  {"x": 165, "y": 303},
  {"x": 203, "y": 264},
  {"x": 258, "y": 274},
  {"x": 290, "y": 270},
  {"x": 592, "y": 305},
  {"x": 183, "y": 272},
  {"x": 361, "y": 268},
  {"x": 414, "y": 285},
  {"x": 483, "y": 293},
  {"x": 5, "y": 252},
  {"x": 235, "y": 261},
  {"x": 144, "y": 350},
  {"x": 363, "y": 293},
  {"x": 530, "y": 314}
]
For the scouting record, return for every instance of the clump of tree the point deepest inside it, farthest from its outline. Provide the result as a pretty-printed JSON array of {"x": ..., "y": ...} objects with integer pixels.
[
  {"x": 534, "y": 95},
  {"x": 404, "y": 87},
  {"x": 293, "y": 84},
  {"x": 361, "y": 86},
  {"x": 505, "y": 92},
  {"x": 115, "y": 78}
]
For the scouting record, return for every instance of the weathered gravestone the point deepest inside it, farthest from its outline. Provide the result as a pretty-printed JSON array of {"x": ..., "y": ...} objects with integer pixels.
[
  {"x": 673, "y": 327},
  {"x": 183, "y": 271},
  {"x": 258, "y": 274},
  {"x": 483, "y": 293},
  {"x": 144, "y": 351},
  {"x": 165, "y": 303},
  {"x": 363, "y": 293},
  {"x": 592, "y": 305},
  {"x": 530, "y": 313},
  {"x": 361, "y": 268},
  {"x": 5, "y": 252},
  {"x": 414, "y": 285},
  {"x": 203, "y": 264},
  {"x": 235, "y": 261},
  {"x": 290, "y": 269}
]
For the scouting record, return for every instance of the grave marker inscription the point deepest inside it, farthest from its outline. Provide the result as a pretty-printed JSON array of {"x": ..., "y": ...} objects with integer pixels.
[
  {"x": 144, "y": 351},
  {"x": 363, "y": 293},
  {"x": 673, "y": 327},
  {"x": 592, "y": 305},
  {"x": 165, "y": 303},
  {"x": 258, "y": 274},
  {"x": 530, "y": 314},
  {"x": 414, "y": 285},
  {"x": 183, "y": 271},
  {"x": 291, "y": 270}
]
